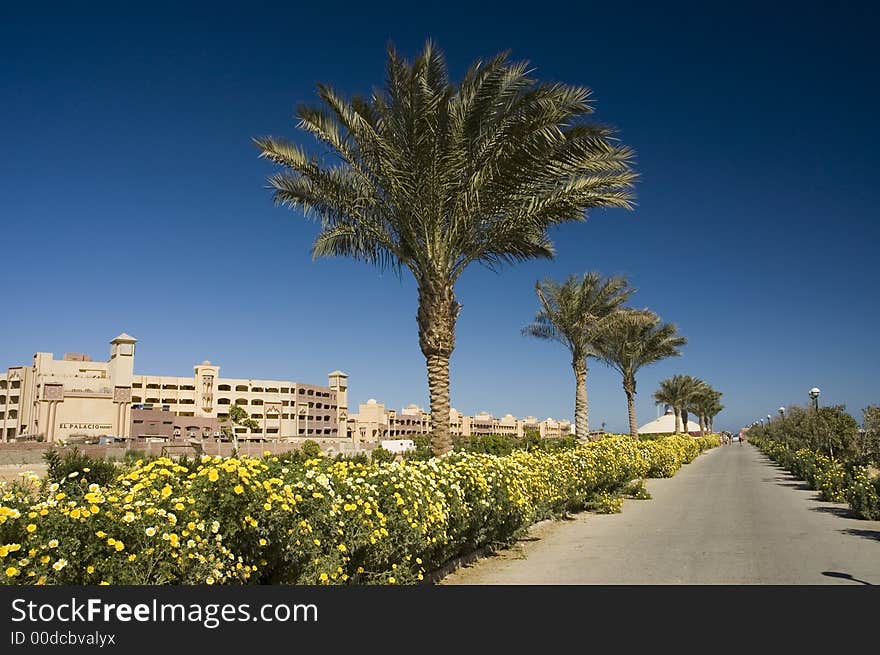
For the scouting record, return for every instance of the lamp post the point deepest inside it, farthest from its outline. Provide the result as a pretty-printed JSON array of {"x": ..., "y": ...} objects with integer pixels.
[
  {"x": 814, "y": 395},
  {"x": 782, "y": 412},
  {"x": 768, "y": 420}
]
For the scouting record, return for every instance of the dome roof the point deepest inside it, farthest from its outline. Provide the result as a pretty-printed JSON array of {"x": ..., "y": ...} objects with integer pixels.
[{"x": 666, "y": 423}]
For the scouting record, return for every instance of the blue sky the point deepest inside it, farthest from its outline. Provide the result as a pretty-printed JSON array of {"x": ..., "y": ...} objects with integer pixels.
[{"x": 132, "y": 200}]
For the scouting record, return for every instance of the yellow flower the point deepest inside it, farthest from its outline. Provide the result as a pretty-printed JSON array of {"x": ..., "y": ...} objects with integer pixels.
[
  {"x": 53, "y": 543},
  {"x": 31, "y": 527},
  {"x": 11, "y": 572},
  {"x": 213, "y": 476},
  {"x": 90, "y": 569},
  {"x": 238, "y": 489},
  {"x": 391, "y": 580},
  {"x": 119, "y": 546},
  {"x": 323, "y": 577}
]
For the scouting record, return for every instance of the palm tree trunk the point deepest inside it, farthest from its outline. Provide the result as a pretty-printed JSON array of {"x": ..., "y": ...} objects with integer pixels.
[
  {"x": 629, "y": 388},
  {"x": 581, "y": 408},
  {"x": 702, "y": 425},
  {"x": 438, "y": 311},
  {"x": 677, "y": 419},
  {"x": 684, "y": 421}
]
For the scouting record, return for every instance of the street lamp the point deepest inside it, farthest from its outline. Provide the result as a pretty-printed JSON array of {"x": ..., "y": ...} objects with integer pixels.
[
  {"x": 768, "y": 419},
  {"x": 782, "y": 413},
  {"x": 814, "y": 394}
]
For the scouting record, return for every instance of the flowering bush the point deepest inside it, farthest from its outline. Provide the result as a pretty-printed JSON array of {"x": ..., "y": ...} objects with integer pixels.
[{"x": 280, "y": 519}]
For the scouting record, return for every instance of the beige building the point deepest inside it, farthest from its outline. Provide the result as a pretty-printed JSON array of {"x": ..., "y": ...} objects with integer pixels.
[
  {"x": 76, "y": 397},
  {"x": 374, "y": 422}
]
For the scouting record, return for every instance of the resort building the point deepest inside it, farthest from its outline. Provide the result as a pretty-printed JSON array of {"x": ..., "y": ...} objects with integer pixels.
[
  {"x": 75, "y": 397},
  {"x": 373, "y": 423}
]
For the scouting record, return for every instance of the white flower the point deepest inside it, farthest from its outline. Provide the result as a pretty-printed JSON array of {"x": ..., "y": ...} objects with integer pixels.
[{"x": 60, "y": 564}]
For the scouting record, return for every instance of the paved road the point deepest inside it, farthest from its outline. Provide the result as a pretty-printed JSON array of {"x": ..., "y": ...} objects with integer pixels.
[{"x": 729, "y": 517}]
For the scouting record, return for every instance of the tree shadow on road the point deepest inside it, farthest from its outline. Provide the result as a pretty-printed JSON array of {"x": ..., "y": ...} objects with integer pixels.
[
  {"x": 867, "y": 534},
  {"x": 844, "y": 576},
  {"x": 842, "y": 512}
]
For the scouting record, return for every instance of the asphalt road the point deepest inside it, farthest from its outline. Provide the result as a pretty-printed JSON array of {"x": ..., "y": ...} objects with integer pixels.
[{"x": 729, "y": 517}]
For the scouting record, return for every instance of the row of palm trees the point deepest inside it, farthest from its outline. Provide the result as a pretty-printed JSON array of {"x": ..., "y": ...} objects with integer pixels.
[
  {"x": 430, "y": 176},
  {"x": 586, "y": 314},
  {"x": 687, "y": 394}
]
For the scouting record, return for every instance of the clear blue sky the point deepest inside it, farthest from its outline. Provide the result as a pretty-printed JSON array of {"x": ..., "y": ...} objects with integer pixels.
[{"x": 132, "y": 199}]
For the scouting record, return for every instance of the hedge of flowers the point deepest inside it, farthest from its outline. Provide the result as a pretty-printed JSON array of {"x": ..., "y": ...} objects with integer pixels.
[
  {"x": 276, "y": 520},
  {"x": 835, "y": 481}
]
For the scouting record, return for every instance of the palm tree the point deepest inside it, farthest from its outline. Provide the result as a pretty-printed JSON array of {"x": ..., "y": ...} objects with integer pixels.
[
  {"x": 432, "y": 177},
  {"x": 572, "y": 312},
  {"x": 672, "y": 392},
  {"x": 692, "y": 388},
  {"x": 705, "y": 404},
  {"x": 636, "y": 338}
]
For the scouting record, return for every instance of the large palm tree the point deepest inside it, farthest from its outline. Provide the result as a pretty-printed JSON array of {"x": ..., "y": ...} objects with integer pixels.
[
  {"x": 431, "y": 176},
  {"x": 572, "y": 313},
  {"x": 636, "y": 338}
]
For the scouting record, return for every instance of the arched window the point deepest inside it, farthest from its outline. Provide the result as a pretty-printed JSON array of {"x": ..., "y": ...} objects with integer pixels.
[
  {"x": 241, "y": 401},
  {"x": 241, "y": 387},
  {"x": 224, "y": 387}
]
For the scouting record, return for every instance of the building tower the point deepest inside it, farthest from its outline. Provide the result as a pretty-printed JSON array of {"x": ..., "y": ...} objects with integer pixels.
[
  {"x": 120, "y": 370},
  {"x": 338, "y": 382}
]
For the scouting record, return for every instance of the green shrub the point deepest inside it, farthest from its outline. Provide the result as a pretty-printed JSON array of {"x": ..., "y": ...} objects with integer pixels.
[
  {"x": 381, "y": 456},
  {"x": 72, "y": 467},
  {"x": 310, "y": 449}
]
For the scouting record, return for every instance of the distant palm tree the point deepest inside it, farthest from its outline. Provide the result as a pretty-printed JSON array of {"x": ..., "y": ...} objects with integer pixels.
[
  {"x": 693, "y": 388},
  {"x": 636, "y": 338},
  {"x": 572, "y": 313},
  {"x": 432, "y": 177},
  {"x": 671, "y": 392},
  {"x": 706, "y": 405}
]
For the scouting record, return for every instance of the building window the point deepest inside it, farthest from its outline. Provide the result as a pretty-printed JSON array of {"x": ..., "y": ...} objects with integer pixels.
[
  {"x": 302, "y": 430},
  {"x": 256, "y": 416},
  {"x": 256, "y": 401},
  {"x": 285, "y": 389},
  {"x": 223, "y": 401},
  {"x": 152, "y": 400},
  {"x": 241, "y": 401},
  {"x": 302, "y": 390},
  {"x": 169, "y": 386},
  {"x": 271, "y": 390},
  {"x": 311, "y": 392},
  {"x": 224, "y": 387},
  {"x": 152, "y": 386},
  {"x": 136, "y": 385},
  {"x": 13, "y": 400},
  {"x": 285, "y": 416},
  {"x": 272, "y": 430},
  {"x": 187, "y": 401},
  {"x": 185, "y": 414},
  {"x": 222, "y": 416},
  {"x": 257, "y": 390},
  {"x": 241, "y": 387},
  {"x": 187, "y": 387}
]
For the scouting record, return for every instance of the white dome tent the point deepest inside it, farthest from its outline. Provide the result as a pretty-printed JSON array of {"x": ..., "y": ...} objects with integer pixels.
[{"x": 666, "y": 424}]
